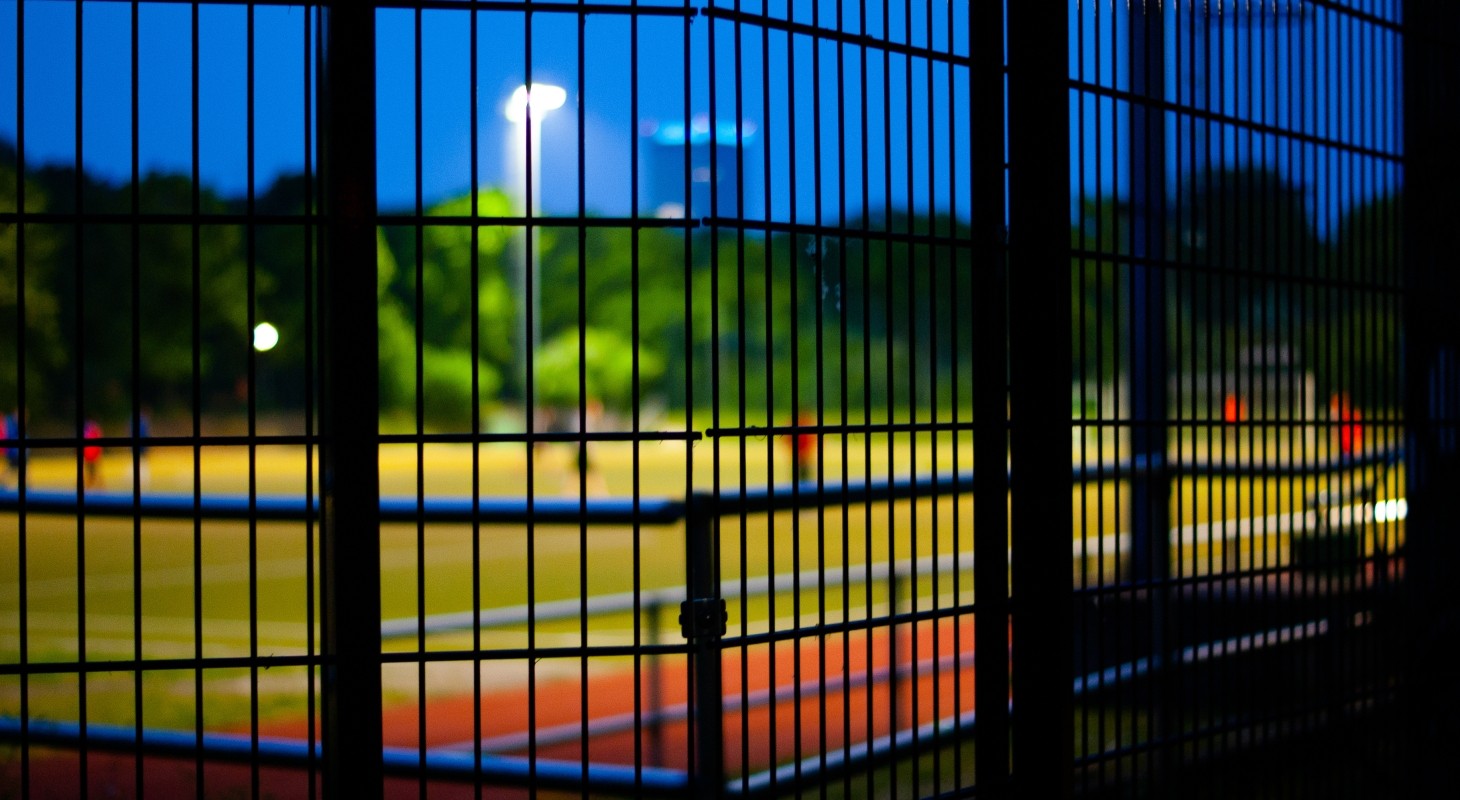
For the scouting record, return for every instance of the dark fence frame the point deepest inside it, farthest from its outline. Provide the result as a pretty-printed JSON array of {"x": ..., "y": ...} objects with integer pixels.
[{"x": 1030, "y": 416}]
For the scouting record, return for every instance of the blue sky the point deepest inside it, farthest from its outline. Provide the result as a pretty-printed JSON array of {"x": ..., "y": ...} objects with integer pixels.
[
  {"x": 165, "y": 105},
  {"x": 928, "y": 119}
]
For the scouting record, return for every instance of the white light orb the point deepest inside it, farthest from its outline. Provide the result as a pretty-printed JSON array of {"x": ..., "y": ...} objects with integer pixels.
[{"x": 265, "y": 336}]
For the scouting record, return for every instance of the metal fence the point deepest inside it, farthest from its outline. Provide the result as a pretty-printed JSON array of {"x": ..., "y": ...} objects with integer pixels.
[{"x": 697, "y": 399}]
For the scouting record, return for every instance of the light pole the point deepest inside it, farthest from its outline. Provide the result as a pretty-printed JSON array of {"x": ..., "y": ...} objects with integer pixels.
[{"x": 526, "y": 109}]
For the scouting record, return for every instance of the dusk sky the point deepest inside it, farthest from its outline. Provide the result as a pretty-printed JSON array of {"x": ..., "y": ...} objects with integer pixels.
[{"x": 610, "y": 129}]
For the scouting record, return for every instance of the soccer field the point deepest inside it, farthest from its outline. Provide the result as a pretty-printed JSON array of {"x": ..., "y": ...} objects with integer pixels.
[
  {"x": 225, "y": 588},
  {"x": 221, "y": 588},
  {"x": 97, "y": 559}
]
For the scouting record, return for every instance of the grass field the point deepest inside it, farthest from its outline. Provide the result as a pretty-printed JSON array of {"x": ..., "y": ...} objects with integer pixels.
[{"x": 222, "y": 588}]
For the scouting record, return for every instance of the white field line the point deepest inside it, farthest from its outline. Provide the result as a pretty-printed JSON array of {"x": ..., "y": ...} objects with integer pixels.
[
  {"x": 212, "y": 574},
  {"x": 110, "y": 636},
  {"x": 1114, "y": 545},
  {"x": 651, "y": 600},
  {"x": 1241, "y": 528},
  {"x": 392, "y": 559},
  {"x": 181, "y": 628},
  {"x": 215, "y": 630}
]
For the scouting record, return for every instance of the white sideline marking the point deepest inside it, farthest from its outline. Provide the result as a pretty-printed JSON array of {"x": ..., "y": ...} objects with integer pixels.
[{"x": 1240, "y": 528}]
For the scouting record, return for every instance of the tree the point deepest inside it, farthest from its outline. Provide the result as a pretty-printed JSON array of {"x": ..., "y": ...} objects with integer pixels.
[
  {"x": 116, "y": 288},
  {"x": 607, "y": 365},
  {"x": 43, "y": 356},
  {"x": 1242, "y": 236},
  {"x": 1366, "y": 332},
  {"x": 427, "y": 306}
]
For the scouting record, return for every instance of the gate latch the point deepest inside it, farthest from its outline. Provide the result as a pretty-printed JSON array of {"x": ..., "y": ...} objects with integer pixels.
[{"x": 703, "y": 618}]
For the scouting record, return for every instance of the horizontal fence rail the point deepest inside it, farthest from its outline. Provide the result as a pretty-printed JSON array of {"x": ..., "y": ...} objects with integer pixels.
[{"x": 643, "y": 510}]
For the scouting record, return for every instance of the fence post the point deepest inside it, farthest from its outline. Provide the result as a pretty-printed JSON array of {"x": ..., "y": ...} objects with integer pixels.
[
  {"x": 349, "y": 414},
  {"x": 1150, "y": 493},
  {"x": 702, "y": 623},
  {"x": 991, "y": 405},
  {"x": 894, "y": 633},
  {"x": 1042, "y": 605},
  {"x": 1430, "y": 701},
  {"x": 1150, "y": 484},
  {"x": 656, "y": 684}
]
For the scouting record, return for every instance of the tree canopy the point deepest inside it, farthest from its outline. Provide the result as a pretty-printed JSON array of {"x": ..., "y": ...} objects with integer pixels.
[{"x": 877, "y": 319}]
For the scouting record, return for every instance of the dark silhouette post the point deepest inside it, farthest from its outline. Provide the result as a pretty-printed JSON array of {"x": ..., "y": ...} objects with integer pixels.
[
  {"x": 1150, "y": 550},
  {"x": 352, "y": 729},
  {"x": 702, "y": 622},
  {"x": 990, "y": 398},
  {"x": 1039, "y": 400},
  {"x": 1429, "y": 620},
  {"x": 1150, "y": 553}
]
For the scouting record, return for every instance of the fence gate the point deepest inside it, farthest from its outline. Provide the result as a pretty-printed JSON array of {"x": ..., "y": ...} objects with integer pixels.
[{"x": 727, "y": 398}]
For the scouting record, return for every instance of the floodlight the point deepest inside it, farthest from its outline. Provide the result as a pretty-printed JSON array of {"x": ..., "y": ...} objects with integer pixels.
[{"x": 541, "y": 97}]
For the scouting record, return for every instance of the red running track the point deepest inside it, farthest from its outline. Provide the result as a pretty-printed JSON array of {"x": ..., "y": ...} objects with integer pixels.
[{"x": 757, "y": 736}]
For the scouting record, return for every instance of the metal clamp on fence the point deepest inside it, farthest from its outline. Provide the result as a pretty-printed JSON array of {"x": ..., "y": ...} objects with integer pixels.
[{"x": 704, "y": 618}]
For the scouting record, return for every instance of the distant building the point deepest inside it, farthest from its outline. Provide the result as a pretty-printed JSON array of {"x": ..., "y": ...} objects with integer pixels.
[{"x": 664, "y": 182}]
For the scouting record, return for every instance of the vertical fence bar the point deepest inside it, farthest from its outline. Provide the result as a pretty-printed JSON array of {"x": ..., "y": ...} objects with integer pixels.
[
  {"x": 352, "y": 734},
  {"x": 990, "y": 397},
  {"x": 702, "y": 622},
  {"x": 654, "y": 610},
  {"x": 1150, "y": 493},
  {"x": 1150, "y": 488},
  {"x": 1431, "y": 393},
  {"x": 1039, "y": 393},
  {"x": 20, "y": 426}
]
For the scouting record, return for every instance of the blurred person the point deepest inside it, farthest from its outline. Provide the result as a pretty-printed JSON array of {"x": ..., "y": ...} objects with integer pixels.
[
  {"x": 585, "y": 475},
  {"x": 91, "y": 453},
  {"x": 544, "y": 420},
  {"x": 1234, "y": 409},
  {"x": 14, "y": 453},
  {"x": 803, "y": 447},
  {"x": 1350, "y": 428},
  {"x": 142, "y": 429}
]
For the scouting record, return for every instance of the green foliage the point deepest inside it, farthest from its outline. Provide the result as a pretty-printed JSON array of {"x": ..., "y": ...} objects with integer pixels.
[
  {"x": 397, "y": 337},
  {"x": 446, "y": 387},
  {"x": 1255, "y": 280},
  {"x": 113, "y": 305},
  {"x": 425, "y": 276},
  {"x": 1368, "y": 324},
  {"x": 607, "y": 365},
  {"x": 877, "y": 323},
  {"x": 43, "y": 356},
  {"x": 446, "y": 268},
  {"x": 1246, "y": 234},
  {"x": 614, "y": 263}
]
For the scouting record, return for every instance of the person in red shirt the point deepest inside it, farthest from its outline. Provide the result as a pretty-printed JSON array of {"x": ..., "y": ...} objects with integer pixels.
[
  {"x": 91, "y": 453},
  {"x": 1350, "y": 428},
  {"x": 803, "y": 448}
]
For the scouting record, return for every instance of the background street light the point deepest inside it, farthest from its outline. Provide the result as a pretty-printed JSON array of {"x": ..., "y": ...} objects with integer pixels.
[
  {"x": 526, "y": 109},
  {"x": 265, "y": 336}
]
